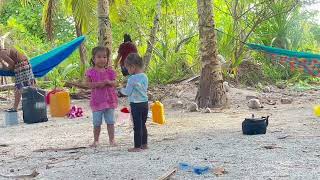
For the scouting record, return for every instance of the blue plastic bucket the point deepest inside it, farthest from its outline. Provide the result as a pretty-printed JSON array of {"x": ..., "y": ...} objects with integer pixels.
[{"x": 11, "y": 118}]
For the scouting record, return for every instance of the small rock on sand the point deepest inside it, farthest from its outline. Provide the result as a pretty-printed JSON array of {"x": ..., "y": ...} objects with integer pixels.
[
  {"x": 193, "y": 107},
  {"x": 177, "y": 104},
  {"x": 207, "y": 110},
  {"x": 226, "y": 86},
  {"x": 286, "y": 100},
  {"x": 251, "y": 97},
  {"x": 281, "y": 85},
  {"x": 266, "y": 89},
  {"x": 254, "y": 104}
]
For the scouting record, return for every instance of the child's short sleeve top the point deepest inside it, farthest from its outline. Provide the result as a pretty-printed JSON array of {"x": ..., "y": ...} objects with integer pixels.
[{"x": 106, "y": 97}]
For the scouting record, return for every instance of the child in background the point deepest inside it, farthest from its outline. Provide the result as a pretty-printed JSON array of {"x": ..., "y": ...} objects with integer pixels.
[
  {"x": 136, "y": 90},
  {"x": 101, "y": 79}
]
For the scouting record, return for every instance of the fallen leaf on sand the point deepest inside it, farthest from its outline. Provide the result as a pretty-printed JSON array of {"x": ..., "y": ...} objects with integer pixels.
[
  {"x": 29, "y": 176},
  {"x": 58, "y": 149},
  {"x": 276, "y": 131},
  {"x": 219, "y": 171},
  {"x": 270, "y": 102},
  {"x": 168, "y": 139},
  {"x": 283, "y": 137},
  {"x": 168, "y": 174},
  {"x": 271, "y": 147}
]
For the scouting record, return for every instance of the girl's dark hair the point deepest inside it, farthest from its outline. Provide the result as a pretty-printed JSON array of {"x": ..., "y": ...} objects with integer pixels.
[
  {"x": 97, "y": 49},
  {"x": 126, "y": 38},
  {"x": 134, "y": 59}
]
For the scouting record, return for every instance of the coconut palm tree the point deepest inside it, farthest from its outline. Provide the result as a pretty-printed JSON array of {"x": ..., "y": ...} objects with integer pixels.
[
  {"x": 211, "y": 92},
  {"x": 82, "y": 11},
  {"x": 104, "y": 27}
]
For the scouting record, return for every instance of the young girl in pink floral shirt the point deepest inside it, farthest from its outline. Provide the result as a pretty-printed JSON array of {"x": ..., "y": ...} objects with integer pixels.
[{"x": 101, "y": 79}]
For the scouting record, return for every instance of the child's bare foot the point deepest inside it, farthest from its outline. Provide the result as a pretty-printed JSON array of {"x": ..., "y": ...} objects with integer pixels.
[
  {"x": 94, "y": 144},
  {"x": 134, "y": 149},
  {"x": 113, "y": 143},
  {"x": 144, "y": 147}
]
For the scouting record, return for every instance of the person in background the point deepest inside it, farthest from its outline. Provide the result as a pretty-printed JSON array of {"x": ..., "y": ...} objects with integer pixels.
[
  {"x": 126, "y": 48},
  {"x": 13, "y": 60}
]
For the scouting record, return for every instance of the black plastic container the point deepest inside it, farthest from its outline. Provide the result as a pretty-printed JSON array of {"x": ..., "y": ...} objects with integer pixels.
[
  {"x": 253, "y": 126},
  {"x": 34, "y": 106}
]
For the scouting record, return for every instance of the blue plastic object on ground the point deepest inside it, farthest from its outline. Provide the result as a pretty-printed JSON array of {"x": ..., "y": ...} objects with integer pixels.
[
  {"x": 184, "y": 166},
  {"x": 199, "y": 170}
]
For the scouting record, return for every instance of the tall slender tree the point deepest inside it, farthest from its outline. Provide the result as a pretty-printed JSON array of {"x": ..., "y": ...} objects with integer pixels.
[
  {"x": 211, "y": 92},
  {"x": 153, "y": 32},
  {"x": 105, "y": 34}
]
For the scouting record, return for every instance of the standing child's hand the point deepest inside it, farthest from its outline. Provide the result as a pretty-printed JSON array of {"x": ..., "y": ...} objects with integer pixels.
[
  {"x": 110, "y": 83},
  {"x": 100, "y": 84},
  {"x": 106, "y": 82}
]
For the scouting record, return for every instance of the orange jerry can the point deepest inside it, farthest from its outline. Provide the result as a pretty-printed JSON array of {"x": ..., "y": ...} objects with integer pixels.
[
  {"x": 59, "y": 104},
  {"x": 157, "y": 109}
]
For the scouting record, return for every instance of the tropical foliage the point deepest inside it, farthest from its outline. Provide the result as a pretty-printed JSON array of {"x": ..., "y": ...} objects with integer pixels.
[{"x": 37, "y": 26}]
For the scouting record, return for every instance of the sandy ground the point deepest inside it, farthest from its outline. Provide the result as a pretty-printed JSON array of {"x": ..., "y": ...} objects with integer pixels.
[{"x": 200, "y": 139}]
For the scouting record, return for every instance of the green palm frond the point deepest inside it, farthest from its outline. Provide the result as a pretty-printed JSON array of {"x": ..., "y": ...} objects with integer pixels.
[
  {"x": 2, "y": 2},
  {"x": 27, "y": 2},
  {"x": 82, "y": 10}
]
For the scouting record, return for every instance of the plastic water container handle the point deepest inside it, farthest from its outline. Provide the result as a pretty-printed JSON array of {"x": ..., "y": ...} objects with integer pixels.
[{"x": 267, "y": 120}]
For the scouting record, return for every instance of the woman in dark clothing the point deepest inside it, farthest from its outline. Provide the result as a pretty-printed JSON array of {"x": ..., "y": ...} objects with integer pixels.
[{"x": 125, "y": 49}]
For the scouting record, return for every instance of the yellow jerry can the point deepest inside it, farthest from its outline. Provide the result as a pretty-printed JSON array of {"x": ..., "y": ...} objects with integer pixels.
[{"x": 157, "y": 109}]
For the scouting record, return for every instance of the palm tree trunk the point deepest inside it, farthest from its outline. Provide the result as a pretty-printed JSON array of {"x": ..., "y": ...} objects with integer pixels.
[
  {"x": 47, "y": 20},
  {"x": 105, "y": 34},
  {"x": 211, "y": 92},
  {"x": 82, "y": 50},
  {"x": 147, "y": 56}
]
